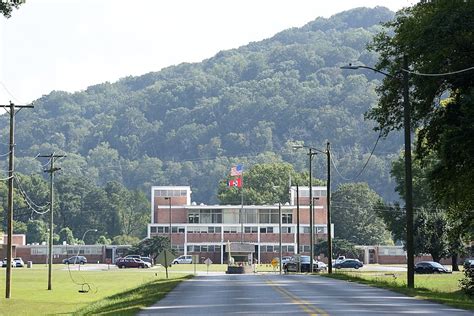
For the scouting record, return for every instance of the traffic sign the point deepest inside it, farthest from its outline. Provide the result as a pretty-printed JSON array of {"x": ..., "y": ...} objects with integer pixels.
[
  {"x": 165, "y": 258},
  {"x": 274, "y": 262},
  {"x": 208, "y": 262}
]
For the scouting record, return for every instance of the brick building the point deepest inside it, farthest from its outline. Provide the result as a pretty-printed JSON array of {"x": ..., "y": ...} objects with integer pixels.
[{"x": 207, "y": 230}]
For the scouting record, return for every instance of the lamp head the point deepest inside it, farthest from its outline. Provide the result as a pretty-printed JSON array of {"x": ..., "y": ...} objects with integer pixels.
[
  {"x": 350, "y": 66},
  {"x": 297, "y": 147}
]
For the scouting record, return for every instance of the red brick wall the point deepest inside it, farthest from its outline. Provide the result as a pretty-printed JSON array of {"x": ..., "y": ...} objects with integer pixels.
[{"x": 178, "y": 215}]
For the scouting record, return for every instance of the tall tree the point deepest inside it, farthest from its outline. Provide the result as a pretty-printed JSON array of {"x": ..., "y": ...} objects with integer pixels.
[
  {"x": 6, "y": 7},
  {"x": 354, "y": 215},
  {"x": 264, "y": 184},
  {"x": 437, "y": 38}
]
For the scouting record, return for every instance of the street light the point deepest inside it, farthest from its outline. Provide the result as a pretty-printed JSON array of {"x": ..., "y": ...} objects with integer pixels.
[
  {"x": 169, "y": 201},
  {"x": 408, "y": 171},
  {"x": 79, "y": 250},
  {"x": 327, "y": 152}
]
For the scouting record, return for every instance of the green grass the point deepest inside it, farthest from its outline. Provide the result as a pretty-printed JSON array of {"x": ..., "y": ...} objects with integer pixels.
[
  {"x": 115, "y": 291},
  {"x": 440, "y": 288}
]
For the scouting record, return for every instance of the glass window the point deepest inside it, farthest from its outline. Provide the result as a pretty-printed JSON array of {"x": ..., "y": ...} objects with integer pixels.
[
  {"x": 153, "y": 229},
  {"x": 287, "y": 218}
]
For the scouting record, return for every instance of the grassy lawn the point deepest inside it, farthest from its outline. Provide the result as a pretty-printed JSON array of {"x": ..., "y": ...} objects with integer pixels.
[
  {"x": 441, "y": 288},
  {"x": 115, "y": 291}
]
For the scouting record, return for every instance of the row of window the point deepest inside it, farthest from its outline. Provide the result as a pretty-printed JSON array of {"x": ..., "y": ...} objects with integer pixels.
[
  {"x": 233, "y": 229},
  {"x": 270, "y": 248},
  {"x": 71, "y": 250},
  {"x": 316, "y": 193},
  {"x": 170, "y": 193},
  {"x": 204, "y": 248},
  {"x": 248, "y": 216}
]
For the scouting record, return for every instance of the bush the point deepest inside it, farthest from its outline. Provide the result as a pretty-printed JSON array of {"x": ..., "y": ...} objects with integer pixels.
[{"x": 467, "y": 284}]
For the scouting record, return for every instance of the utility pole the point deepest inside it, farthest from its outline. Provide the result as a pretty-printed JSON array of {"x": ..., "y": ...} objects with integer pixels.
[
  {"x": 279, "y": 224},
  {"x": 408, "y": 178},
  {"x": 328, "y": 206},
  {"x": 10, "y": 108},
  {"x": 297, "y": 219},
  {"x": 51, "y": 172},
  {"x": 311, "y": 241}
]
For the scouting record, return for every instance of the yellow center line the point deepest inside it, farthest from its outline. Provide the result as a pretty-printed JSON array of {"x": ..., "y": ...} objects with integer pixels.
[{"x": 306, "y": 306}]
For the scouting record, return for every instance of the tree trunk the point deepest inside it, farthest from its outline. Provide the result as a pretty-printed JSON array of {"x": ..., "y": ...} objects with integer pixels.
[{"x": 454, "y": 262}]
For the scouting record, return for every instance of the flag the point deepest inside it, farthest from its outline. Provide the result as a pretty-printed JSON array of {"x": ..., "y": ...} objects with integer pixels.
[
  {"x": 237, "y": 170},
  {"x": 235, "y": 183}
]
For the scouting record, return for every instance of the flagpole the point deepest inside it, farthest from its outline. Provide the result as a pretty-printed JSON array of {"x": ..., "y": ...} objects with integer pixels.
[{"x": 242, "y": 207}]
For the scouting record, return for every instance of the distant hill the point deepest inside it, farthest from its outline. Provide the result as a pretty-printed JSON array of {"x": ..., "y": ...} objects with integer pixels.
[{"x": 187, "y": 124}]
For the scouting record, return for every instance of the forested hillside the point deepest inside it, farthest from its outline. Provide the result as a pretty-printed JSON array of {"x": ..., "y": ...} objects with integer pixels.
[{"x": 187, "y": 124}]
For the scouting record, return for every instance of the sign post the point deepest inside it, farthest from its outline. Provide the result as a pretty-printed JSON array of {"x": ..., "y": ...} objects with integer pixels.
[
  {"x": 208, "y": 262},
  {"x": 165, "y": 258}
]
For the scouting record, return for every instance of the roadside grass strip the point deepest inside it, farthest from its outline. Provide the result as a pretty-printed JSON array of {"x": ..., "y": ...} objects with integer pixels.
[
  {"x": 104, "y": 291},
  {"x": 306, "y": 306},
  {"x": 439, "y": 288},
  {"x": 132, "y": 301}
]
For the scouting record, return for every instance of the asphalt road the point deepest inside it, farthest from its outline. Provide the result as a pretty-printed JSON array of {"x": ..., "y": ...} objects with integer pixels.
[{"x": 287, "y": 294}]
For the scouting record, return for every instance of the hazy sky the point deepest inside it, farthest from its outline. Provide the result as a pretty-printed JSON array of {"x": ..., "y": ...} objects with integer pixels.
[{"x": 72, "y": 44}]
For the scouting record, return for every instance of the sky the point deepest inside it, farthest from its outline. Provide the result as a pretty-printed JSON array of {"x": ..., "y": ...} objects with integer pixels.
[{"x": 72, "y": 44}]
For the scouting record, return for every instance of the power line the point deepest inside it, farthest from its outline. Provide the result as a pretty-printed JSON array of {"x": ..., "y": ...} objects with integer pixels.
[{"x": 437, "y": 74}]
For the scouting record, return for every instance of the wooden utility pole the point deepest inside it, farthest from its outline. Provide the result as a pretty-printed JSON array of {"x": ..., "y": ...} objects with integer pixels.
[
  {"x": 51, "y": 172},
  {"x": 10, "y": 108}
]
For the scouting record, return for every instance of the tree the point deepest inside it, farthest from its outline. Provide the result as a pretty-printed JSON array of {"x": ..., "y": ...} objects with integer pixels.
[
  {"x": 354, "y": 216},
  {"x": 37, "y": 232},
  {"x": 6, "y": 7},
  {"x": 436, "y": 37},
  {"x": 66, "y": 235},
  {"x": 102, "y": 240},
  {"x": 152, "y": 246},
  {"x": 125, "y": 240},
  {"x": 264, "y": 184},
  {"x": 431, "y": 226},
  {"x": 340, "y": 247}
]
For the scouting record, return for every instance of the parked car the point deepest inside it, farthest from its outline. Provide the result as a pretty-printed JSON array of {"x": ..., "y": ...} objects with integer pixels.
[
  {"x": 146, "y": 259},
  {"x": 183, "y": 259},
  {"x": 430, "y": 267},
  {"x": 19, "y": 262},
  {"x": 292, "y": 265},
  {"x": 348, "y": 263},
  {"x": 285, "y": 259},
  {"x": 321, "y": 265},
  {"x": 4, "y": 263},
  {"x": 132, "y": 263},
  {"x": 468, "y": 264},
  {"x": 75, "y": 259}
]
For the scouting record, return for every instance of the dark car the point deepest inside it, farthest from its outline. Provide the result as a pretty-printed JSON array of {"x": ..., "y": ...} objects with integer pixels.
[
  {"x": 132, "y": 263},
  {"x": 349, "y": 263},
  {"x": 430, "y": 267},
  {"x": 304, "y": 262},
  {"x": 468, "y": 264},
  {"x": 75, "y": 259}
]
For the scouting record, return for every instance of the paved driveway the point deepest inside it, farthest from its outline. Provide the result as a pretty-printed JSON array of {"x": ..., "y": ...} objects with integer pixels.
[{"x": 288, "y": 294}]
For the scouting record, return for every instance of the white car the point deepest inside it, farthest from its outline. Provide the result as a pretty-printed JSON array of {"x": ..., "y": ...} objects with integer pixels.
[
  {"x": 19, "y": 262},
  {"x": 183, "y": 259},
  {"x": 321, "y": 265}
]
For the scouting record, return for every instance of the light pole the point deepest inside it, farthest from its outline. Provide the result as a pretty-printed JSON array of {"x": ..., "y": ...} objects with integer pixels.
[
  {"x": 408, "y": 168},
  {"x": 314, "y": 151},
  {"x": 169, "y": 203},
  {"x": 279, "y": 224},
  {"x": 79, "y": 250}
]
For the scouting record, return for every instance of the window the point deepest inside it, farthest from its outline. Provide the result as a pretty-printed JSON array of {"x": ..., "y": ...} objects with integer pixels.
[
  {"x": 286, "y": 230},
  {"x": 250, "y": 216},
  {"x": 205, "y": 216},
  {"x": 214, "y": 229},
  {"x": 266, "y": 230},
  {"x": 162, "y": 229},
  {"x": 232, "y": 229},
  {"x": 152, "y": 229},
  {"x": 252, "y": 230},
  {"x": 287, "y": 218},
  {"x": 193, "y": 218},
  {"x": 268, "y": 217}
]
